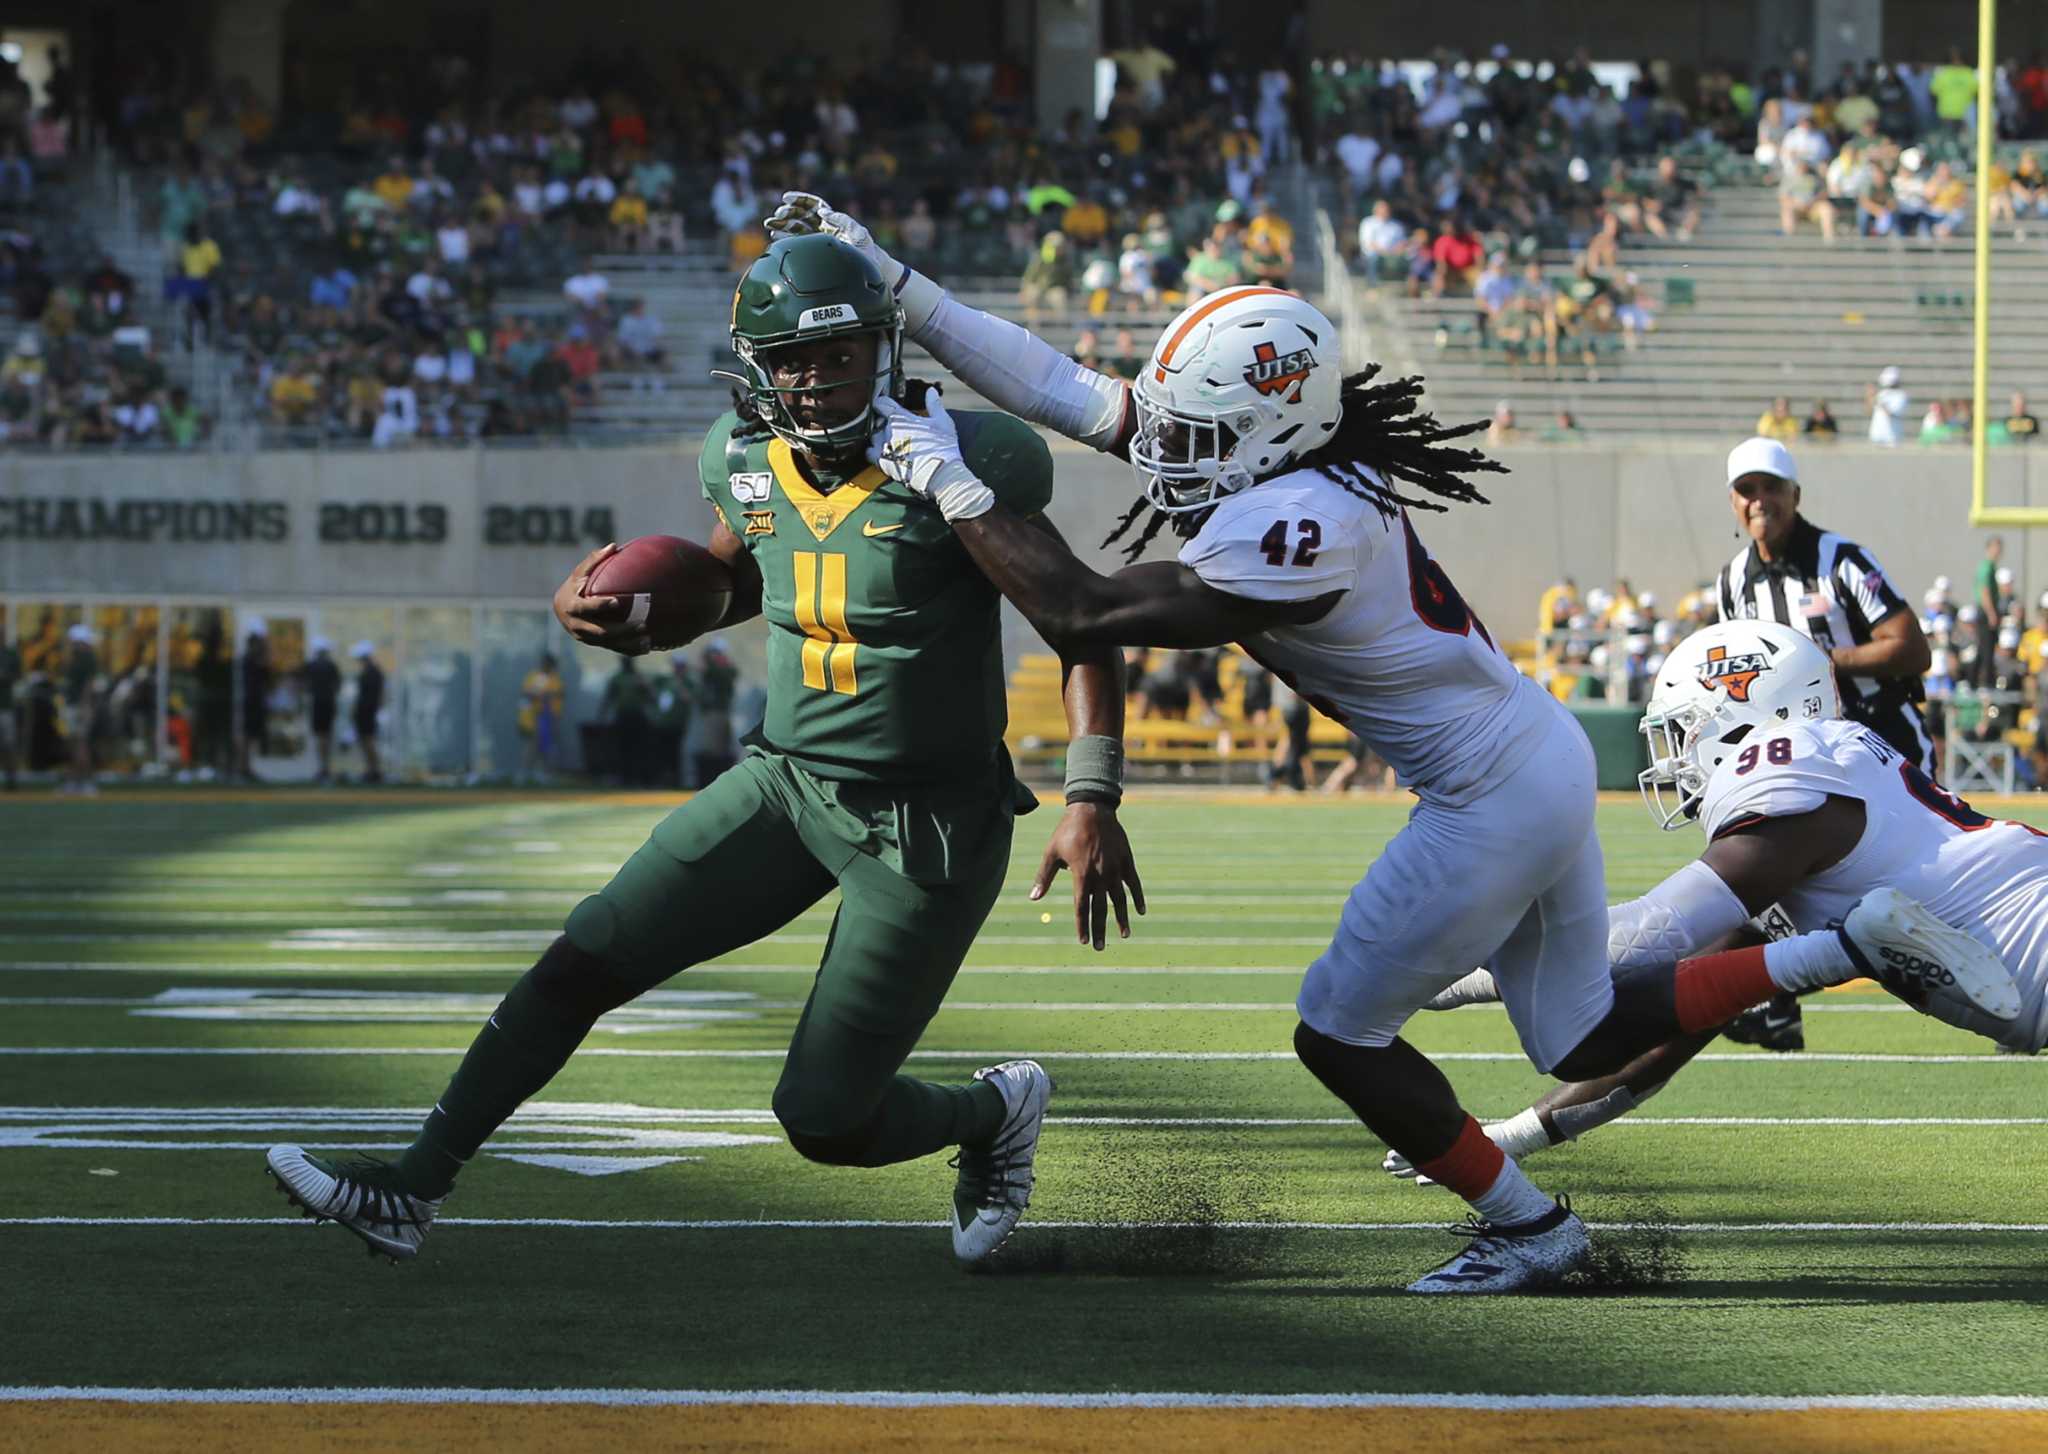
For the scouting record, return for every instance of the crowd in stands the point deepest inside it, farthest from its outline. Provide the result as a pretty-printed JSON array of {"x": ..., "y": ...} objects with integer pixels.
[
  {"x": 1988, "y": 680},
  {"x": 1893, "y": 421}
]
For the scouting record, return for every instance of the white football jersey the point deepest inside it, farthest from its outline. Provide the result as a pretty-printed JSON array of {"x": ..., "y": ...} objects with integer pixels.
[
  {"x": 1400, "y": 659},
  {"x": 1986, "y": 876}
]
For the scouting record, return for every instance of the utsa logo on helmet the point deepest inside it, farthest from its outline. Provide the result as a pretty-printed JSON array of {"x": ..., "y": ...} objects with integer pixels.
[
  {"x": 1272, "y": 372},
  {"x": 1733, "y": 674}
]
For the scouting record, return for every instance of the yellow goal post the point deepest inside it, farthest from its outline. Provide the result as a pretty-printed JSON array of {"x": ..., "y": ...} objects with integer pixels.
[{"x": 1982, "y": 512}]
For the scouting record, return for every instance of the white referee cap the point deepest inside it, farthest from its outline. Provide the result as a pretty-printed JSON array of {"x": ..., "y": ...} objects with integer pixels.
[
  {"x": 1761, "y": 456},
  {"x": 362, "y": 649}
]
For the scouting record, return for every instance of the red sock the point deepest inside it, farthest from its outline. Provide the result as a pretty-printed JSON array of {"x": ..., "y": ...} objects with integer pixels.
[
  {"x": 1714, "y": 988},
  {"x": 1470, "y": 1167}
]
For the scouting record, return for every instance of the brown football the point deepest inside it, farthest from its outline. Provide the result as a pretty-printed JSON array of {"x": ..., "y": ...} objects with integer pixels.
[{"x": 676, "y": 587}]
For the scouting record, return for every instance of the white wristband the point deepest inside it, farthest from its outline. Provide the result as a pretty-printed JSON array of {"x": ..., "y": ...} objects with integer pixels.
[{"x": 958, "y": 493}]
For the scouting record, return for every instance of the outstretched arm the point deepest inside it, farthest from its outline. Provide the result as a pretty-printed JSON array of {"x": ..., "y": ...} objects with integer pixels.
[{"x": 1158, "y": 603}]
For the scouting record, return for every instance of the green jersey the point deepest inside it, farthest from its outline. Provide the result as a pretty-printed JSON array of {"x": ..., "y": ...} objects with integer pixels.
[{"x": 885, "y": 660}]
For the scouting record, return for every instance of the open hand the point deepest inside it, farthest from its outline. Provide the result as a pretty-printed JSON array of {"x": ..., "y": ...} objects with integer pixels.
[{"x": 1090, "y": 841}]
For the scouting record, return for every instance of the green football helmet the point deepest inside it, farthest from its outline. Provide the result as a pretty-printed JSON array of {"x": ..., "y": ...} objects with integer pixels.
[{"x": 803, "y": 289}]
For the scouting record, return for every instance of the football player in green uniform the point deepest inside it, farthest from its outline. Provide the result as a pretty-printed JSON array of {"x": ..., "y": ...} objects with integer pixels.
[{"x": 879, "y": 770}]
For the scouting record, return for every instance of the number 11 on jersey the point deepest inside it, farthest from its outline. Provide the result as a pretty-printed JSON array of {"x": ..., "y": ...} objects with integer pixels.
[{"x": 821, "y": 615}]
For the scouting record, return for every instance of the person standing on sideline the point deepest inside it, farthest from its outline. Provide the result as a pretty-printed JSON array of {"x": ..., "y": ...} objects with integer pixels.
[
  {"x": 81, "y": 706},
  {"x": 717, "y": 684},
  {"x": 1831, "y": 590},
  {"x": 627, "y": 697},
  {"x": 369, "y": 706},
  {"x": 323, "y": 699},
  {"x": 1991, "y": 603},
  {"x": 10, "y": 674},
  {"x": 255, "y": 700},
  {"x": 540, "y": 718}
]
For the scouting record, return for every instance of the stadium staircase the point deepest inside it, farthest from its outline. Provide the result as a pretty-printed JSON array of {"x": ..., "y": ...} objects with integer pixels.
[{"x": 1744, "y": 314}]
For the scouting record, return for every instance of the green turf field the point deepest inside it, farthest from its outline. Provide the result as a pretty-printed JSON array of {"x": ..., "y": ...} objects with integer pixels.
[{"x": 184, "y": 982}]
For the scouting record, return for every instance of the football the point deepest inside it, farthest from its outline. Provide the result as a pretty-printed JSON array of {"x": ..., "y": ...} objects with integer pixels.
[{"x": 675, "y": 587}]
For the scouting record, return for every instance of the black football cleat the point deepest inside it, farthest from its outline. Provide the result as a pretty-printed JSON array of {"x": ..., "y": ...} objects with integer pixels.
[{"x": 1775, "y": 1025}]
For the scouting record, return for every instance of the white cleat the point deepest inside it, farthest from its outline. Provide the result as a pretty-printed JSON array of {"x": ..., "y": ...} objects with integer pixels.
[
  {"x": 360, "y": 1195},
  {"x": 1523, "y": 1258},
  {"x": 1937, "y": 969},
  {"x": 995, "y": 1181}
]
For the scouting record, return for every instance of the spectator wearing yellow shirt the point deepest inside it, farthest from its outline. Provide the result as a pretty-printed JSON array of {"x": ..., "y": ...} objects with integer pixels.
[
  {"x": 2034, "y": 645},
  {"x": 394, "y": 186},
  {"x": 628, "y": 218},
  {"x": 293, "y": 394},
  {"x": 1269, "y": 246},
  {"x": 198, "y": 259},
  {"x": 1777, "y": 421},
  {"x": 1557, "y": 606},
  {"x": 1086, "y": 224},
  {"x": 2034, "y": 658},
  {"x": 540, "y": 717},
  {"x": 1948, "y": 201}
]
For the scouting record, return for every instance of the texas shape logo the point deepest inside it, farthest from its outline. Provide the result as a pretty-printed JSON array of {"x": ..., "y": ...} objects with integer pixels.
[
  {"x": 1272, "y": 372},
  {"x": 1733, "y": 674}
]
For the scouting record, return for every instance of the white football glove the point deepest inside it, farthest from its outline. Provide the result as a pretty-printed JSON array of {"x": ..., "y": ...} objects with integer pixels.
[
  {"x": 802, "y": 213},
  {"x": 923, "y": 452}
]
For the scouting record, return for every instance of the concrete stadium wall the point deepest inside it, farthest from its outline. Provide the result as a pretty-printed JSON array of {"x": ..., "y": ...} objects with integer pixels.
[{"x": 1658, "y": 516}]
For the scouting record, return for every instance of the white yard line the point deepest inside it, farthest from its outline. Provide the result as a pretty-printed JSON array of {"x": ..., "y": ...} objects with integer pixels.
[
  {"x": 990, "y": 1056},
  {"x": 851, "y": 1224}
]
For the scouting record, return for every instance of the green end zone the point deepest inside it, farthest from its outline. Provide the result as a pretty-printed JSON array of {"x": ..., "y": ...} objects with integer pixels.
[{"x": 182, "y": 984}]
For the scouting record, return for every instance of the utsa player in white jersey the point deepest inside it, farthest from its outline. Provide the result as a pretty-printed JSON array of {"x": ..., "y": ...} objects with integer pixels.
[
  {"x": 1290, "y": 488},
  {"x": 1815, "y": 814}
]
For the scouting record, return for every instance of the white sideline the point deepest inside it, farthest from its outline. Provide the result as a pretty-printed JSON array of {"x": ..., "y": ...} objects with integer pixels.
[
  {"x": 988, "y": 1056},
  {"x": 850, "y": 1224},
  {"x": 880, "y": 1399}
]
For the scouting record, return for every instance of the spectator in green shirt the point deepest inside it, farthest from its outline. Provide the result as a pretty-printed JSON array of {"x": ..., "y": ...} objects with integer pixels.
[
  {"x": 1209, "y": 270},
  {"x": 1954, "y": 87},
  {"x": 183, "y": 423}
]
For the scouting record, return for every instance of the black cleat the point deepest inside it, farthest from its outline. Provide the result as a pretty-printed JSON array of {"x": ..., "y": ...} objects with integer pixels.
[{"x": 1775, "y": 1025}]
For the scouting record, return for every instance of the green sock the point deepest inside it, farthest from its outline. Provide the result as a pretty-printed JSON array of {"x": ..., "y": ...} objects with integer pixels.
[
  {"x": 518, "y": 1051},
  {"x": 917, "y": 1118}
]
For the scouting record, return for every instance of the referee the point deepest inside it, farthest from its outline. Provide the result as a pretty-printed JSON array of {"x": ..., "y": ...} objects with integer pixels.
[
  {"x": 1833, "y": 591},
  {"x": 1830, "y": 589}
]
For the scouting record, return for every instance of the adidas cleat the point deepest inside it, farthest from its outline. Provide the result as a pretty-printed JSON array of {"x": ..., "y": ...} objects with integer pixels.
[
  {"x": 361, "y": 1195},
  {"x": 1937, "y": 969},
  {"x": 1774, "y": 1025},
  {"x": 995, "y": 1181},
  {"x": 1523, "y": 1258}
]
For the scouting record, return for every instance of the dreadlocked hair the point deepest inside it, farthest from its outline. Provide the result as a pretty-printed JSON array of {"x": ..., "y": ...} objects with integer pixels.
[{"x": 1381, "y": 438}]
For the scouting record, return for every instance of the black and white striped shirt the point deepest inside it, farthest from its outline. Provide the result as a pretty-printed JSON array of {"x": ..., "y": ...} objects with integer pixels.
[{"x": 1833, "y": 591}]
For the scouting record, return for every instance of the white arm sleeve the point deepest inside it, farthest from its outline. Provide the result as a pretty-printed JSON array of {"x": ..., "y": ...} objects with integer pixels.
[
  {"x": 1676, "y": 919},
  {"x": 1017, "y": 371}
]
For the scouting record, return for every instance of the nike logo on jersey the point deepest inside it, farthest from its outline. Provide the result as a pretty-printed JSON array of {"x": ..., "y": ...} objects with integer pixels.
[{"x": 869, "y": 527}]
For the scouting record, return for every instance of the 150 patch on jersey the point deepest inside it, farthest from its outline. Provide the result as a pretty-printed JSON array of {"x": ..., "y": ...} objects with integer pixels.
[
  {"x": 752, "y": 489},
  {"x": 1734, "y": 675}
]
